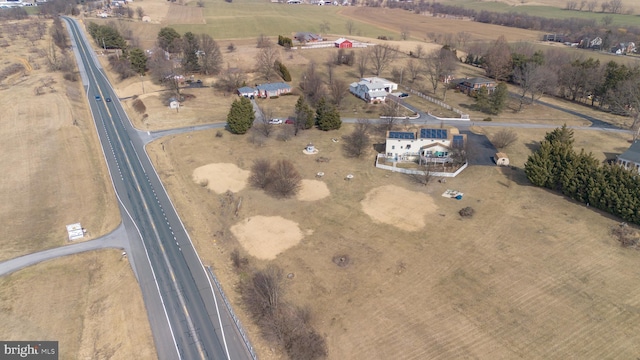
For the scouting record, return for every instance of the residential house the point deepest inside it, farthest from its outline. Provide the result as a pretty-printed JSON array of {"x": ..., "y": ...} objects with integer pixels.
[
  {"x": 343, "y": 43},
  {"x": 273, "y": 89},
  {"x": 624, "y": 48},
  {"x": 630, "y": 159},
  {"x": 469, "y": 86},
  {"x": 247, "y": 92},
  {"x": 305, "y": 37},
  {"x": 373, "y": 89},
  {"x": 425, "y": 145}
]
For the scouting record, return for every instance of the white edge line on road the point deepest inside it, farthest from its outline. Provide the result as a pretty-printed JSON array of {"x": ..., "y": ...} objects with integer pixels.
[
  {"x": 164, "y": 308},
  {"x": 118, "y": 108}
]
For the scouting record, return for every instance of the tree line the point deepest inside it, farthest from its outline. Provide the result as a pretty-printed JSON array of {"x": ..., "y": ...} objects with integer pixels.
[
  {"x": 573, "y": 28},
  {"x": 578, "y": 175}
]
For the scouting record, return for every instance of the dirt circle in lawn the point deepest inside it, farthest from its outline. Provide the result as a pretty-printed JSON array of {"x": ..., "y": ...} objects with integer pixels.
[
  {"x": 264, "y": 237},
  {"x": 221, "y": 177},
  {"x": 312, "y": 190},
  {"x": 399, "y": 207}
]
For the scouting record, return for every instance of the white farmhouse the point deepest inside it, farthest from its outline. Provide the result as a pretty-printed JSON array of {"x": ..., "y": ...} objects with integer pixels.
[
  {"x": 630, "y": 159},
  {"x": 372, "y": 89},
  {"x": 425, "y": 145}
]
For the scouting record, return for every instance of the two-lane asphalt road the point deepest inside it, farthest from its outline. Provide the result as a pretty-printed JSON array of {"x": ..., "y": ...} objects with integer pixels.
[{"x": 178, "y": 294}]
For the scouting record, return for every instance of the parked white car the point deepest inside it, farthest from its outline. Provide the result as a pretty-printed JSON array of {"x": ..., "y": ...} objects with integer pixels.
[{"x": 275, "y": 121}]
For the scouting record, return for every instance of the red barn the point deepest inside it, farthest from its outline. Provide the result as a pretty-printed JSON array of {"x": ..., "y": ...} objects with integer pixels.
[{"x": 343, "y": 43}]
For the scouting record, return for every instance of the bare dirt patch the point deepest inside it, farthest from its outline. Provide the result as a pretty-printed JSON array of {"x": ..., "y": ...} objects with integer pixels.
[
  {"x": 313, "y": 190},
  {"x": 399, "y": 207},
  {"x": 90, "y": 303},
  {"x": 221, "y": 178},
  {"x": 267, "y": 236}
]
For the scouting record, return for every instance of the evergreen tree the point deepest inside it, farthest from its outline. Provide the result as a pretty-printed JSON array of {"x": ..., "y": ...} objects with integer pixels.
[
  {"x": 138, "y": 60},
  {"x": 190, "y": 53},
  {"x": 327, "y": 116},
  {"x": 482, "y": 99},
  {"x": 498, "y": 99},
  {"x": 241, "y": 116},
  {"x": 304, "y": 115},
  {"x": 168, "y": 39}
]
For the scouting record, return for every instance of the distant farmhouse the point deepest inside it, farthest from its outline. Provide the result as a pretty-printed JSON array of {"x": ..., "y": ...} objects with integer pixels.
[
  {"x": 265, "y": 90},
  {"x": 305, "y": 37},
  {"x": 427, "y": 145},
  {"x": 373, "y": 89},
  {"x": 469, "y": 86}
]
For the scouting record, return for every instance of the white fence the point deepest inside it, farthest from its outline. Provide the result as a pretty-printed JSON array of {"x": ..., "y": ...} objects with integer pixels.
[
  {"x": 463, "y": 116},
  {"x": 409, "y": 171}
]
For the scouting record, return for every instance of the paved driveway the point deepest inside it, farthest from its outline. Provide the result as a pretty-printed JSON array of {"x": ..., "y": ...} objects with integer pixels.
[{"x": 480, "y": 149}]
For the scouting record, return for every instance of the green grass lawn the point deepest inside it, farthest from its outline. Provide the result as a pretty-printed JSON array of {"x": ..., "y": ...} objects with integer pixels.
[
  {"x": 544, "y": 11},
  {"x": 250, "y": 18}
]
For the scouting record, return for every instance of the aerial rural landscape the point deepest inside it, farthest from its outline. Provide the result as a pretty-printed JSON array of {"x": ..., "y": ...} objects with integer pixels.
[{"x": 354, "y": 180}]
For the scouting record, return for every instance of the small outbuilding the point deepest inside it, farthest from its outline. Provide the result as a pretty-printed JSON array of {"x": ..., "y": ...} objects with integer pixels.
[
  {"x": 501, "y": 159},
  {"x": 343, "y": 43},
  {"x": 146, "y": 18},
  {"x": 174, "y": 103}
]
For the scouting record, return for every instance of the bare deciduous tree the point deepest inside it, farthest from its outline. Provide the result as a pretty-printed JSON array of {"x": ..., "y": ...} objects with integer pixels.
[
  {"x": 418, "y": 52},
  {"x": 504, "y": 138},
  {"x": 351, "y": 26},
  {"x": 591, "y": 5},
  {"x": 263, "y": 41},
  {"x": 231, "y": 79},
  {"x": 140, "y": 12},
  {"x": 534, "y": 80},
  {"x": 357, "y": 142},
  {"x": 260, "y": 171},
  {"x": 440, "y": 64},
  {"x": 265, "y": 61},
  {"x": 312, "y": 85},
  {"x": 338, "y": 89},
  {"x": 285, "y": 179},
  {"x": 210, "y": 55},
  {"x": 414, "y": 69},
  {"x": 424, "y": 176},
  {"x": 381, "y": 56},
  {"x": 362, "y": 61},
  {"x": 498, "y": 59}
]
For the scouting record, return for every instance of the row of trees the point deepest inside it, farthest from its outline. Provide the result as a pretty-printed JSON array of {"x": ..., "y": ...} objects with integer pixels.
[
  {"x": 610, "y": 86},
  {"x": 200, "y": 53},
  {"x": 557, "y": 166}
]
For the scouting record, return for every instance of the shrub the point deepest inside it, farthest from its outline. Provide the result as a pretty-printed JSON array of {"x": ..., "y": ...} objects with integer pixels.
[
  {"x": 466, "y": 212},
  {"x": 218, "y": 134},
  {"x": 487, "y": 119},
  {"x": 285, "y": 181},
  {"x": 627, "y": 236},
  {"x": 139, "y": 106},
  {"x": 260, "y": 173},
  {"x": 504, "y": 138}
]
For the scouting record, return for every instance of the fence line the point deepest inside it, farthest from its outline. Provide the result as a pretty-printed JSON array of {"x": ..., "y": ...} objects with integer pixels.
[
  {"x": 439, "y": 103},
  {"x": 233, "y": 315},
  {"x": 409, "y": 171}
]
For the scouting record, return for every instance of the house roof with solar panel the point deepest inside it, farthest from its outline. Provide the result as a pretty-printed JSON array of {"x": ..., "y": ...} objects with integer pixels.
[{"x": 427, "y": 144}]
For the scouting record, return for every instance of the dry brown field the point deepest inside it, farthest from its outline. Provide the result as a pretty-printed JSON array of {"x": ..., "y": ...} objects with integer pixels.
[
  {"x": 419, "y": 26},
  {"x": 531, "y": 275},
  {"x": 55, "y": 175},
  {"x": 90, "y": 303},
  {"x": 49, "y": 180}
]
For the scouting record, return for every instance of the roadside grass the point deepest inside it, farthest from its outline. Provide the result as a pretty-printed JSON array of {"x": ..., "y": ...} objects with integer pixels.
[{"x": 90, "y": 303}]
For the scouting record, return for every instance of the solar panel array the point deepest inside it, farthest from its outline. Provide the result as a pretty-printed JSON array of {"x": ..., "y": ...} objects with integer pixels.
[
  {"x": 401, "y": 135},
  {"x": 458, "y": 141},
  {"x": 433, "y": 133}
]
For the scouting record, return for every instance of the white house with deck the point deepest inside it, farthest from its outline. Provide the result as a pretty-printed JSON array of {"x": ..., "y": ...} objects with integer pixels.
[
  {"x": 424, "y": 145},
  {"x": 372, "y": 89}
]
